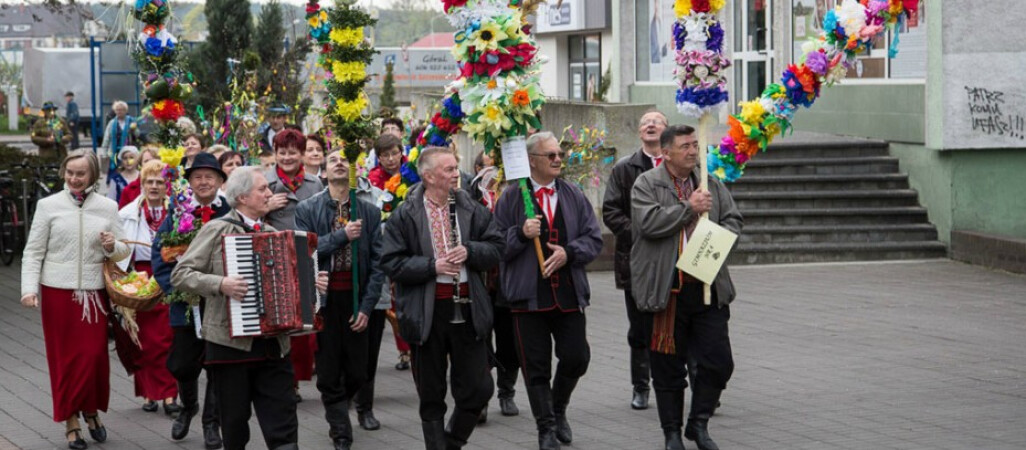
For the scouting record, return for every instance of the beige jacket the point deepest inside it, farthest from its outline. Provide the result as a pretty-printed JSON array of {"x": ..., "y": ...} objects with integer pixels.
[
  {"x": 200, "y": 271},
  {"x": 63, "y": 249}
]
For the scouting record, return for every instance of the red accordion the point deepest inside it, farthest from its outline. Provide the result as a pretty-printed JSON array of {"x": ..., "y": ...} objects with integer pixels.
[{"x": 280, "y": 269}]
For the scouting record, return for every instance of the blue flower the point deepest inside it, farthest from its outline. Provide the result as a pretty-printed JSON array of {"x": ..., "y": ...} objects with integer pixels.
[
  {"x": 155, "y": 47},
  {"x": 679, "y": 34},
  {"x": 409, "y": 174},
  {"x": 436, "y": 140},
  {"x": 702, "y": 97},
  {"x": 140, "y": 4},
  {"x": 453, "y": 108},
  {"x": 829, "y": 21},
  {"x": 715, "y": 41}
]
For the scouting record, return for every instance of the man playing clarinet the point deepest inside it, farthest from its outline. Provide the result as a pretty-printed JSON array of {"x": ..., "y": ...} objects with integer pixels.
[
  {"x": 438, "y": 245},
  {"x": 342, "y": 346},
  {"x": 548, "y": 299},
  {"x": 666, "y": 205},
  {"x": 247, "y": 372}
]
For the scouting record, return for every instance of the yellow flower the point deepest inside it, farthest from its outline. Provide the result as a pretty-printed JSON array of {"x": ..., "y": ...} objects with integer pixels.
[
  {"x": 493, "y": 120},
  {"x": 346, "y": 36},
  {"x": 488, "y": 36},
  {"x": 682, "y": 8},
  {"x": 752, "y": 112},
  {"x": 350, "y": 111},
  {"x": 314, "y": 22},
  {"x": 401, "y": 191},
  {"x": 414, "y": 153},
  {"x": 716, "y": 5},
  {"x": 171, "y": 157},
  {"x": 348, "y": 72}
]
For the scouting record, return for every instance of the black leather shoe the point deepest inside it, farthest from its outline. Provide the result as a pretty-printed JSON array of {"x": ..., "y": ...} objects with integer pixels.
[
  {"x": 563, "y": 431},
  {"x": 78, "y": 443},
  {"x": 673, "y": 441},
  {"x": 96, "y": 429},
  {"x": 547, "y": 440},
  {"x": 698, "y": 430},
  {"x": 640, "y": 400},
  {"x": 367, "y": 421},
  {"x": 171, "y": 409},
  {"x": 404, "y": 362},
  {"x": 150, "y": 406},
  {"x": 508, "y": 407},
  {"x": 341, "y": 444},
  {"x": 212, "y": 436},
  {"x": 180, "y": 426}
]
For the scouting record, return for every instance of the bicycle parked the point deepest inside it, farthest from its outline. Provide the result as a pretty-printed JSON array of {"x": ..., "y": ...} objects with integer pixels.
[
  {"x": 43, "y": 181},
  {"x": 10, "y": 237}
]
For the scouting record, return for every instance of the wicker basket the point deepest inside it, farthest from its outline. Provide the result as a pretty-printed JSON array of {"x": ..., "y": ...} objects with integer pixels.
[
  {"x": 171, "y": 253},
  {"x": 112, "y": 272}
]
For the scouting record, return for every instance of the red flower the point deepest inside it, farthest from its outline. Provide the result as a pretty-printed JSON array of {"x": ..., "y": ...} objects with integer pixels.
[
  {"x": 700, "y": 5},
  {"x": 449, "y": 4},
  {"x": 808, "y": 79},
  {"x": 168, "y": 110}
]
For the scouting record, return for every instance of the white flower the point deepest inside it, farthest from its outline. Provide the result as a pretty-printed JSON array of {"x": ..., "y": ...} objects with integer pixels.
[{"x": 851, "y": 16}]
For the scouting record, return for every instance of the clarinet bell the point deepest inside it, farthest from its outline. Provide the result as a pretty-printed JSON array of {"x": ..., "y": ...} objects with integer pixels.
[{"x": 457, "y": 313}]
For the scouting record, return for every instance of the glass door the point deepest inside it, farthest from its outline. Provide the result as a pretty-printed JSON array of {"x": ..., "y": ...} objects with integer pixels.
[{"x": 753, "y": 45}]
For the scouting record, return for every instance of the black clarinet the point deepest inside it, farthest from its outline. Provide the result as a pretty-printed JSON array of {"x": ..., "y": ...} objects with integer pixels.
[{"x": 457, "y": 302}]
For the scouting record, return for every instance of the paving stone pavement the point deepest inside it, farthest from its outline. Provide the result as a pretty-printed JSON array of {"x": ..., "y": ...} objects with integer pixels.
[{"x": 910, "y": 355}]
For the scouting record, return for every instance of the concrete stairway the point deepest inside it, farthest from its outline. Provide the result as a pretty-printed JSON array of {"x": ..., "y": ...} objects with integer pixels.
[{"x": 830, "y": 201}]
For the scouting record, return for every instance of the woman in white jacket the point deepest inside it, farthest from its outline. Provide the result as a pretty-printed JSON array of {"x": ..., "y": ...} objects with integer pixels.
[
  {"x": 62, "y": 273},
  {"x": 141, "y": 218}
]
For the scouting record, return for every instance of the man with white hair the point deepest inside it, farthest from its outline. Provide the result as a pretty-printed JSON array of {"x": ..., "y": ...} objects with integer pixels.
[
  {"x": 247, "y": 372},
  {"x": 548, "y": 301},
  {"x": 438, "y": 245}
]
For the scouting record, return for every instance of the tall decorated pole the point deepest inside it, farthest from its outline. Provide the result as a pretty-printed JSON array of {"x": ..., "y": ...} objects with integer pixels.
[
  {"x": 345, "y": 54},
  {"x": 701, "y": 74},
  {"x": 499, "y": 84}
]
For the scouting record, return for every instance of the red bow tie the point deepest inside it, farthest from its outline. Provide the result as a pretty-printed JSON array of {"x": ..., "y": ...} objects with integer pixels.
[
  {"x": 204, "y": 212},
  {"x": 658, "y": 161},
  {"x": 256, "y": 226},
  {"x": 546, "y": 191},
  {"x": 543, "y": 194}
]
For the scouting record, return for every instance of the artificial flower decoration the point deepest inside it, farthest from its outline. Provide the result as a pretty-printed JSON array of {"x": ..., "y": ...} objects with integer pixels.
[
  {"x": 849, "y": 30},
  {"x": 701, "y": 66},
  {"x": 172, "y": 157},
  {"x": 346, "y": 36}
]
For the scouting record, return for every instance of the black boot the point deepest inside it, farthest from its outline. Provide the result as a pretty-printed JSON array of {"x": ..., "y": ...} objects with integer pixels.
[
  {"x": 639, "y": 378},
  {"x": 505, "y": 382},
  {"x": 434, "y": 434},
  {"x": 212, "y": 436},
  {"x": 703, "y": 404},
  {"x": 673, "y": 441},
  {"x": 340, "y": 429},
  {"x": 541, "y": 406},
  {"x": 670, "y": 405},
  {"x": 562, "y": 387},
  {"x": 364, "y": 401},
  {"x": 180, "y": 426},
  {"x": 461, "y": 425}
]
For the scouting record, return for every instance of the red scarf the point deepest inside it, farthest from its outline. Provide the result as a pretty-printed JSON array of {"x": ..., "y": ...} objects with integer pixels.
[
  {"x": 151, "y": 220},
  {"x": 78, "y": 197},
  {"x": 292, "y": 183}
]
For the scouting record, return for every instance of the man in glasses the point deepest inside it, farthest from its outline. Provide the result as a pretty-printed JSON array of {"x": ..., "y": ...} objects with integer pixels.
[
  {"x": 666, "y": 203},
  {"x": 616, "y": 213},
  {"x": 548, "y": 301}
]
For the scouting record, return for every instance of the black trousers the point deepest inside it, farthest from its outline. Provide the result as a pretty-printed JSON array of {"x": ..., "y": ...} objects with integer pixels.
[
  {"x": 456, "y": 345},
  {"x": 375, "y": 329},
  {"x": 701, "y": 332},
  {"x": 264, "y": 386},
  {"x": 505, "y": 345},
  {"x": 638, "y": 324},
  {"x": 185, "y": 362},
  {"x": 535, "y": 333},
  {"x": 341, "y": 352}
]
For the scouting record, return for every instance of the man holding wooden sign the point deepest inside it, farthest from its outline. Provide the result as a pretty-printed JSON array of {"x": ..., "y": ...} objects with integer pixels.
[{"x": 667, "y": 203}]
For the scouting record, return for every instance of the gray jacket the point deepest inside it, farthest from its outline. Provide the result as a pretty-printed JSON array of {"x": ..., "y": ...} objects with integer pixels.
[
  {"x": 285, "y": 218},
  {"x": 657, "y": 218},
  {"x": 200, "y": 271},
  {"x": 408, "y": 259},
  {"x": 519, "y": 269}
]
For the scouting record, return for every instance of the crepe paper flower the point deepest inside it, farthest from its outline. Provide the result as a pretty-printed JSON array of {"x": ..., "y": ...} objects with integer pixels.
[
  {"x": 348, "y": 72},
  {"x": 393, "y": 183},
  {"x": 346, "y": 37},
  {"x": 150, "y": 30},
  {"x": 168, "y": 110},
  {"x": 409, "y": 174},
  {"x": 817, "y": 62},
  {"x": 715, "y": 41},
  {"x": 448, "y": 5},
  {"x": 171, "y": 157},
  {"x": 154, "y": 47},
  {"x": 350, "y": 110},
  {"x": 682, "y": 7},
  {"x": 401, "y": 191},
  {"x": 520, "y": 98},
  {"x": 488, "y": 36},
  {"x": 700, "y": 5},
  {"x": 185, "y": 224},
  {"x": 752, "y": 112},
  {"x": 851, "y": 15}
]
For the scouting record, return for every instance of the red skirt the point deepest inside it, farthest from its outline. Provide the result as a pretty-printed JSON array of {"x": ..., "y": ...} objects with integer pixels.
[
  {"x": 76, "y": 353},
  {"x": 303, "y": 349},
  {"x": 153, "y": 380}
]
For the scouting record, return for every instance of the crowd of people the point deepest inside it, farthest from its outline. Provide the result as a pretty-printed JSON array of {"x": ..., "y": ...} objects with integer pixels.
[{"x": 468, "y": 281}]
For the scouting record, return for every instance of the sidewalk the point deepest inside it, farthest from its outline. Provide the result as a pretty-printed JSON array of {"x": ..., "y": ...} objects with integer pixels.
[{"x": 910, "y": 355}]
